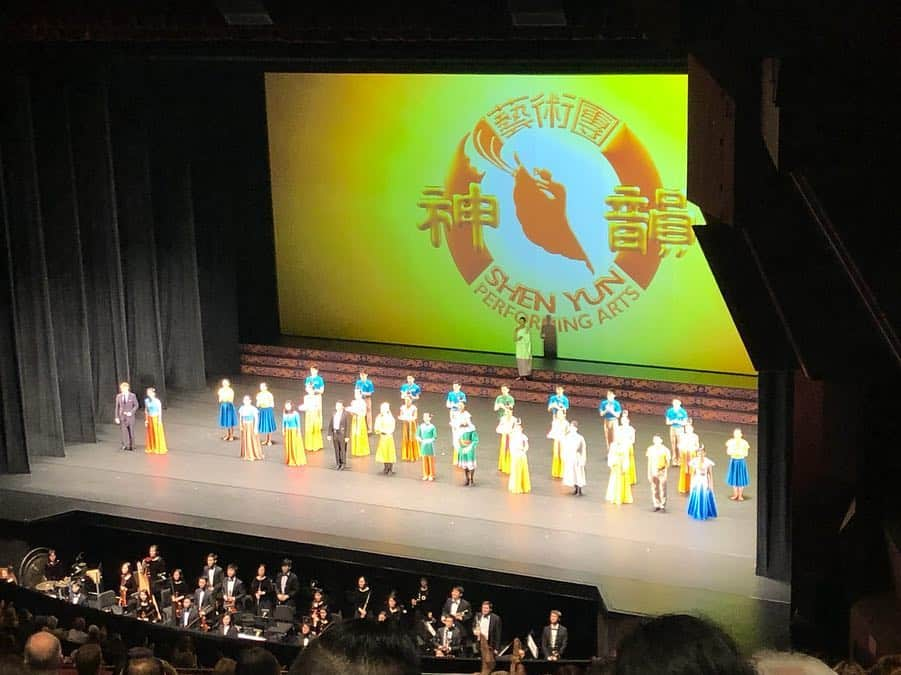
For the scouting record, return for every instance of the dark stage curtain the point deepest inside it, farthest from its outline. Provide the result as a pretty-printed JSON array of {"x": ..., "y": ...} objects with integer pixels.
[
  {"x": 774, "y": 459},
  {"x": 137, "y": 225},
  {"x": 35, "y": 345},
  {"x": 13, "y": 454},
  {"x": 65, "y": 276},
  {"x": 179, "y": 292},
  {"x": 98, "y": 220},
  {"x": 131, "y": 174}
]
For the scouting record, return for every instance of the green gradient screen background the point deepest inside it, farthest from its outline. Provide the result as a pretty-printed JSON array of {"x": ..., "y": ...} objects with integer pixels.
[{"x": 432, "y": 209}]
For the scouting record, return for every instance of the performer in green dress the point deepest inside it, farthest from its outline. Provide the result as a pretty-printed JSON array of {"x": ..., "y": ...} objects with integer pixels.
[
  {"x": 426, "y": 434},
  {"x": 469, "y": 442}
]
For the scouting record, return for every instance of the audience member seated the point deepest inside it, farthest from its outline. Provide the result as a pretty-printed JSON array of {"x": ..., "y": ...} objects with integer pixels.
[
  {"x": 144, "y": 665},
  {"x": 88, "y": 659},
  {"x": 257, "y": 661},
  {"x": 78, "y": 633},
  {"x": 43, "y": 654},
  {"x": 358, "y": 647},
  {"x": 225, "y": 666},
  {"x": 679, "y": 643}
]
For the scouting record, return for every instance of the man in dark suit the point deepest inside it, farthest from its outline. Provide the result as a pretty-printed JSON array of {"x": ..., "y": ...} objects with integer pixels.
[
  {"x": 204, "y": 596},
  {"x": 126, "y": 407},
  {"x": 553, "y": 638},
  {"x": 233, "y": 591},
  {"x": 338, "y": 434},
  {"x": 488, "y": 623},
  {"x": 448, "y": 638},
  {"x": 213, "y": 572},
  {"x": 458, "y": 608},
  {"x": 287, "y": 585},
  {"x": 190, "y": 617}
]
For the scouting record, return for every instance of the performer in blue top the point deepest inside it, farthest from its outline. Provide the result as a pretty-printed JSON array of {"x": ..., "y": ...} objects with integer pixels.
[
  {"x": 557, "y": 401},
  {"x": 610, "y": 411},
  {"x": 455, "y": 397},
  {"x": 676, "y": 419},
  {"x": 410, "y": 388},
  {"x": 316, "y": 383},
  {"x": 367, "y": 388}
]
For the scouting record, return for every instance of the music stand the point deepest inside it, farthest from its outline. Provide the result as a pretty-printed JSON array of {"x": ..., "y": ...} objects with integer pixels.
[{"x": 96, "y": 576}]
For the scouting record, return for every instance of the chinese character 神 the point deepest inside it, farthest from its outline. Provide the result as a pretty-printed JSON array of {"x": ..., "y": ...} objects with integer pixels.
[
  {"x": 670, "y": 222},
  {"x": 628, "y": 220},
  {"x": 553, "y": 111},
  {"x": 593, "y": 122},
  {"x": 477, "y": 210},
  {"x": 438, "y": 213},
  {"x": 512, "y": 116}
]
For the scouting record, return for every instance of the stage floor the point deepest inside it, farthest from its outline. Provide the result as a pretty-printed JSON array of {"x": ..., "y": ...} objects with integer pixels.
[{"x": 642, "y": 562}]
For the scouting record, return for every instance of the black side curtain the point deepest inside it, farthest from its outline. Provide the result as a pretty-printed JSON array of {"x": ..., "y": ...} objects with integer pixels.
[
  {"x": 774, "y": 460},
  {"x": 100, "y": 278}
]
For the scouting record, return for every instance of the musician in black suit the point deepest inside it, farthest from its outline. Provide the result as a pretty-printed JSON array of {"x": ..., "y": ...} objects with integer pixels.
[
  {"x": 488, "y": 623},
  {"x": 233, "y": 590},
  {"x": 448, "y": 638},
  {"x": 204, "y": 596},
  {"x": 226, "y": 628},
  {"x": 189, "y": 617},
  {"x": 213, "y": 572},
  {"x": 554, "y": 638},
  {"x": 359, "y": 601},
  {"x": 287, "y": 585},
  {"x": 339, "y": 435},
  {"x": 458, "y": 608},
  {"x": 77, "y": 596}
]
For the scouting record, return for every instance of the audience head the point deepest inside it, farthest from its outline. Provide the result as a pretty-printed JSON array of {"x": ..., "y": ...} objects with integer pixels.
[
  {"x": 88, "y": 659},
  {"x": 43, "y": 653},
  {"x": 678, "y": 643},
  {"x": 225, "y": 666},
  {"x": 359, "y": 647},
  {"x": 79, "y": 624},
  {"x": 257, "y": 661},
  {"x": 94, "y": 634},
  {"x": 144, "y": 665}
]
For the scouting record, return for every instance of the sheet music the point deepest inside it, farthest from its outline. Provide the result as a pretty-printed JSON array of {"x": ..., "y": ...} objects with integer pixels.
[{"x": 533, "y": 648}]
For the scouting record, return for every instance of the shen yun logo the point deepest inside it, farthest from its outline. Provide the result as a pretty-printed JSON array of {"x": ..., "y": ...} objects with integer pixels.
[{"x": 552, "y": 207}]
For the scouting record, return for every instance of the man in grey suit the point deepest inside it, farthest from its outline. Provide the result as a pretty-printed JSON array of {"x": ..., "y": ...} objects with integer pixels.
[
  {"x": 126, "y": 407},
  {"x": 338, "y": 434}
]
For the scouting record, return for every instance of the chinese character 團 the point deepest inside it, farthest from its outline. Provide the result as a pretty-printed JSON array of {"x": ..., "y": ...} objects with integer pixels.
[
  {"x": 628, "y": 220},
  {"x": 593, "y": 122}
]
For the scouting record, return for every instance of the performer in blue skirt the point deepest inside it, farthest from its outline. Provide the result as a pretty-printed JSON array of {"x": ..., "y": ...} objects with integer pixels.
[
  {"x": 701, "y": 502},
  {"x": 228, "y": 416},
  {"x": 737, "y": 477},
  {"x": 266, "y": 405}
]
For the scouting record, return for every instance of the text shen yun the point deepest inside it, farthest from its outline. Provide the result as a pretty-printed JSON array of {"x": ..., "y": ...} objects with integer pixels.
[{"x": 608, "y": 297}]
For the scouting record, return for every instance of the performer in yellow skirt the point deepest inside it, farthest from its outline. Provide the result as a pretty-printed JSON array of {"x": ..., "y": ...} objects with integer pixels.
[
  {"x": 384, "y": 427},
  {"x": 504, "y": 429},
  {"x": 409, "y": 446},
  {"x": 688, "y": 448},
  {"x": 153, "y": 421},
  {"x": 619, "y": 490},
  {"x": 294, "y": 453},
  {"x": 627, "y": 437},
  {"x": 312, "y": 420},
  {"x": 359, "y": 432},
  {"x": 558, "y": 431},
  {"x": 519, "y": 482}
]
